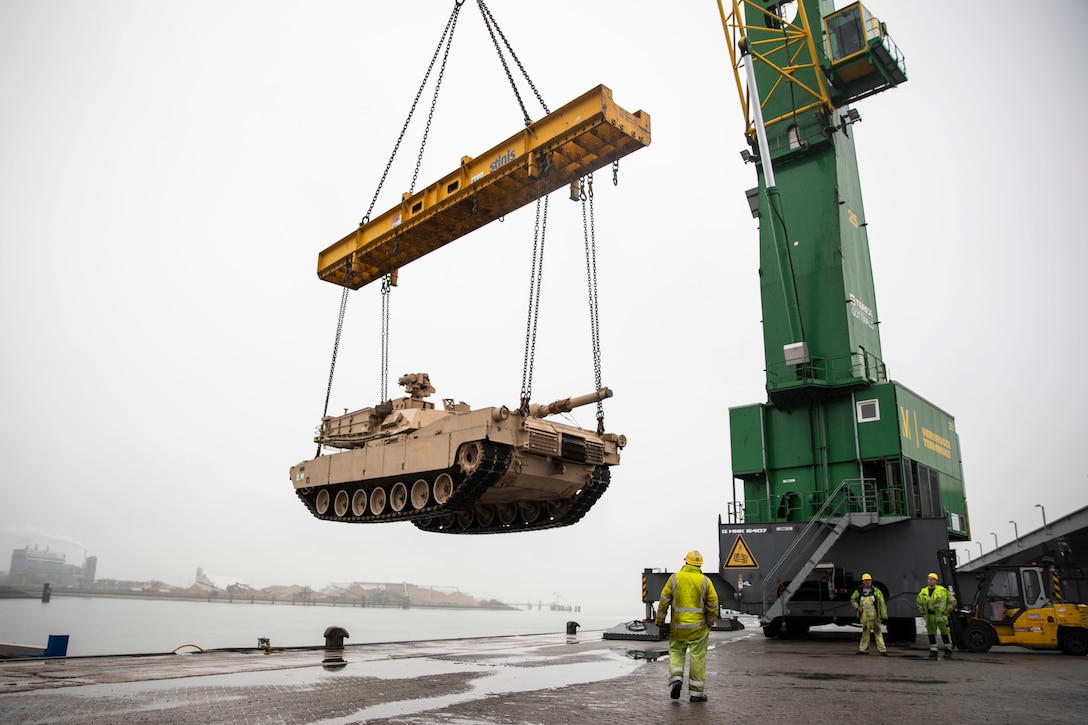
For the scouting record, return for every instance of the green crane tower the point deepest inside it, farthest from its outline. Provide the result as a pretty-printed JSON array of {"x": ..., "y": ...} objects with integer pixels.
[{"x": 842, "y": 470}]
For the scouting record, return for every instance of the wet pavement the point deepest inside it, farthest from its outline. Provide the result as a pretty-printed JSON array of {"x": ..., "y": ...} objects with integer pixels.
[{"x": 547, "y": 679}]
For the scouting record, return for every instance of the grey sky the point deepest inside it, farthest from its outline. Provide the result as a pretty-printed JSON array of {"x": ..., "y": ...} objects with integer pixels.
[{"x": 170, "y": 170}]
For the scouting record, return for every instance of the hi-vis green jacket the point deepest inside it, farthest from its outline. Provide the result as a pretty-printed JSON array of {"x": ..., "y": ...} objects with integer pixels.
[
  {"x": 937, "y": 603},
  {"x": 694, "y": 604}
]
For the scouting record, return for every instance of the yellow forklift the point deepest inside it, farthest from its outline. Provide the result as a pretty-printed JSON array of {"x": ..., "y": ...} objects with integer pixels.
[{"x": 1040, "y": 606}]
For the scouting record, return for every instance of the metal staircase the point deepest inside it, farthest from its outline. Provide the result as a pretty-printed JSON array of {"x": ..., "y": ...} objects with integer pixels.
[{"x": 819, "y": 535}]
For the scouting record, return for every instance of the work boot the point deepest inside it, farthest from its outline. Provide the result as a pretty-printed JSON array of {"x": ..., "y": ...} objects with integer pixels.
[
  {"x": 884, "y": 653},
  {"x": 697, "y": 698},
  {"x": 674, "y": 693},
  {"x": 948, "y": 654},
  {"x": 861, "y": 652},
  {"x": 933, "y": 654}
]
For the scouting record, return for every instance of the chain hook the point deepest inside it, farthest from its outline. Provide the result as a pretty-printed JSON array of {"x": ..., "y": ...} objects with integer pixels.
[{"x": 616, "y": 172}]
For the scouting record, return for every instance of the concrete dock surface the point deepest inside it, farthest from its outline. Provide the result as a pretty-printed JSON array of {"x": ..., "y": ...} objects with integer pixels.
[{"x": 548, "y": 679}]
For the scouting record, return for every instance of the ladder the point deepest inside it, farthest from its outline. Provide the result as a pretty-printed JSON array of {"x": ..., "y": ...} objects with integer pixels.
[{"x": 825, "y": 528}]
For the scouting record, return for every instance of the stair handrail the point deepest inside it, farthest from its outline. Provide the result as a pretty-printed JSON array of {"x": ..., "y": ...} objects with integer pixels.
[{"x": 817, "y": 518}]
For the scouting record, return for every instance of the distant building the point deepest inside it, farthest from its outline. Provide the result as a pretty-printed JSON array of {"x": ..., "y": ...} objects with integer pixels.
[
  {"x": 33, "y": 567},
  {"x": 216, "y": 583}
]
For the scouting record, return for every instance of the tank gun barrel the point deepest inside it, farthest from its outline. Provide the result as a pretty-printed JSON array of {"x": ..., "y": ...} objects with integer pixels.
[{"x": 568, "y": 404}]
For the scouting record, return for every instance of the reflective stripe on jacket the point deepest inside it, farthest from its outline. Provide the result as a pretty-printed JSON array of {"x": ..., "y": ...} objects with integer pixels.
[
  {"x": 871, "y": 602},
  {"x": 939, "y": 601},
  {"x": 694, "y": 604}
]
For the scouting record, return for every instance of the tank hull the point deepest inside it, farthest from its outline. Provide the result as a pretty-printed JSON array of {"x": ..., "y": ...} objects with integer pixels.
[{"x": 459, "y": 471}]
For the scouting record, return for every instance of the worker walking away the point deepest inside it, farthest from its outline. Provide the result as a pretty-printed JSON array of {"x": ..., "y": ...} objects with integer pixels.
[
  {"x": 694, "y": 608},
  {"x": 872, "y": 611},
  {"x": 934, "y": 604}
]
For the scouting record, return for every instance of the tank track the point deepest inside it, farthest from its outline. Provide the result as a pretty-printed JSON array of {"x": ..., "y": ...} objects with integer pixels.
[
  {"x": 494, "y": 461},
  {"x": 549, "y": 514}
]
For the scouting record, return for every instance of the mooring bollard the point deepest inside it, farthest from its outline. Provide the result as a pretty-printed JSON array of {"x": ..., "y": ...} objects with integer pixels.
[
  {"x": 334, "y": 648},
  {"x": 46, "y": 592},
  {"x": 572, "y": 631}
]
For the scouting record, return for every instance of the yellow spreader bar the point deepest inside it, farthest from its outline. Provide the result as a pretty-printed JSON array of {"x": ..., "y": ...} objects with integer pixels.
[{"x": 586, "y": 134}]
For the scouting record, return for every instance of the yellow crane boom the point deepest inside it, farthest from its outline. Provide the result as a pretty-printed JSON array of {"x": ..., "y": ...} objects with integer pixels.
[{"x": 586, "y": 134}]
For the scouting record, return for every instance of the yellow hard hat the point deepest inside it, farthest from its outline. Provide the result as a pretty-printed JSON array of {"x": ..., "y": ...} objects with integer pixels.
[
  {"x": 933, "y": 576},
  {"x": 865, "y": 576},
  {"x": 694, "y": 558}
]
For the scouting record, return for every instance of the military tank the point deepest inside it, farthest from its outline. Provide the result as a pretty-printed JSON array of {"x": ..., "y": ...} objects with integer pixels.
[{"x": 457, "y": 470}]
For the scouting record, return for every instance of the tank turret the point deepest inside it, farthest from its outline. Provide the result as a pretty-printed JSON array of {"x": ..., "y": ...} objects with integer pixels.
[{"x": 457, "y": 470}]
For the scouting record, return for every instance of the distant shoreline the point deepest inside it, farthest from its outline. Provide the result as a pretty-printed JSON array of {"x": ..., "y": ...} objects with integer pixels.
[{"x": 244, "y": 598}]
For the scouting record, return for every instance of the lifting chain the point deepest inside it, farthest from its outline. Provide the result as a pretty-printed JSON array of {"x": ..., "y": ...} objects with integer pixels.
[
  {"x": 492, "y": 28},
  {"x": 387, "y": 285},
  {"x": 335, "y": 349},
  {"x": 444, "y": 42},
  {"x": 589, "y": 233},
  {"x": 539, "y": 229}
]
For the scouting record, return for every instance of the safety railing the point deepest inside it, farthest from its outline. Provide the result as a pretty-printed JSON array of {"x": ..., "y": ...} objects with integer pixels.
[
  {"x": 827, "y": 372},
  {"x": 851, "y": 495}
]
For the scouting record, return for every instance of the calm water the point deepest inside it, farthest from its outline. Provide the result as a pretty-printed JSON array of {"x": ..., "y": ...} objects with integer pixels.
[{"x": 98, "y": 626}]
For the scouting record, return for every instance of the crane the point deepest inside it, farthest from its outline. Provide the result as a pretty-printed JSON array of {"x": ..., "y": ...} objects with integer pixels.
[{"x": 843, "y": 470}]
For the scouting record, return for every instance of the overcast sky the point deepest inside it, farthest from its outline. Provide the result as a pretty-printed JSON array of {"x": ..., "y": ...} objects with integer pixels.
[{"x": 170, "y": 170}]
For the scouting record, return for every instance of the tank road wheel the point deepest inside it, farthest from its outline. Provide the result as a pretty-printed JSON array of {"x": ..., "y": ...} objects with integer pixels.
[
  {"x": 530, "y": 511},
  {"x": 321, "y": 503},
  {"x": 443, "y": 488},
  {"x": 446, "y": 521},
  {"x": 398, "y": 497},
  {"x": 377, "y": 501},
  {"x": 428, "y": 523},
  {"x": 506, "y": 512},
  {"x": 421, "y": 494},
  {"x": 340, "y": 503},
  {"x": 358, "y": 502},
  {"x": 469, "y": 457},
  {"x": 465, "y": 518},
  {"x": 485, "y": 516},
  {"x": 557, "y": 509},
  {"x": 978, "y": 638},
  {"x": 1073, "y": 642}
]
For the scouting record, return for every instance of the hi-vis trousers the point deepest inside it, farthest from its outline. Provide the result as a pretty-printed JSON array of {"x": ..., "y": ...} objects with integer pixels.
[{"x": 697, "y": 670}]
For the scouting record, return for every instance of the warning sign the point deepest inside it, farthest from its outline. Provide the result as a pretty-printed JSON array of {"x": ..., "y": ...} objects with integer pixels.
[{"x": 740, "y": 557}]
